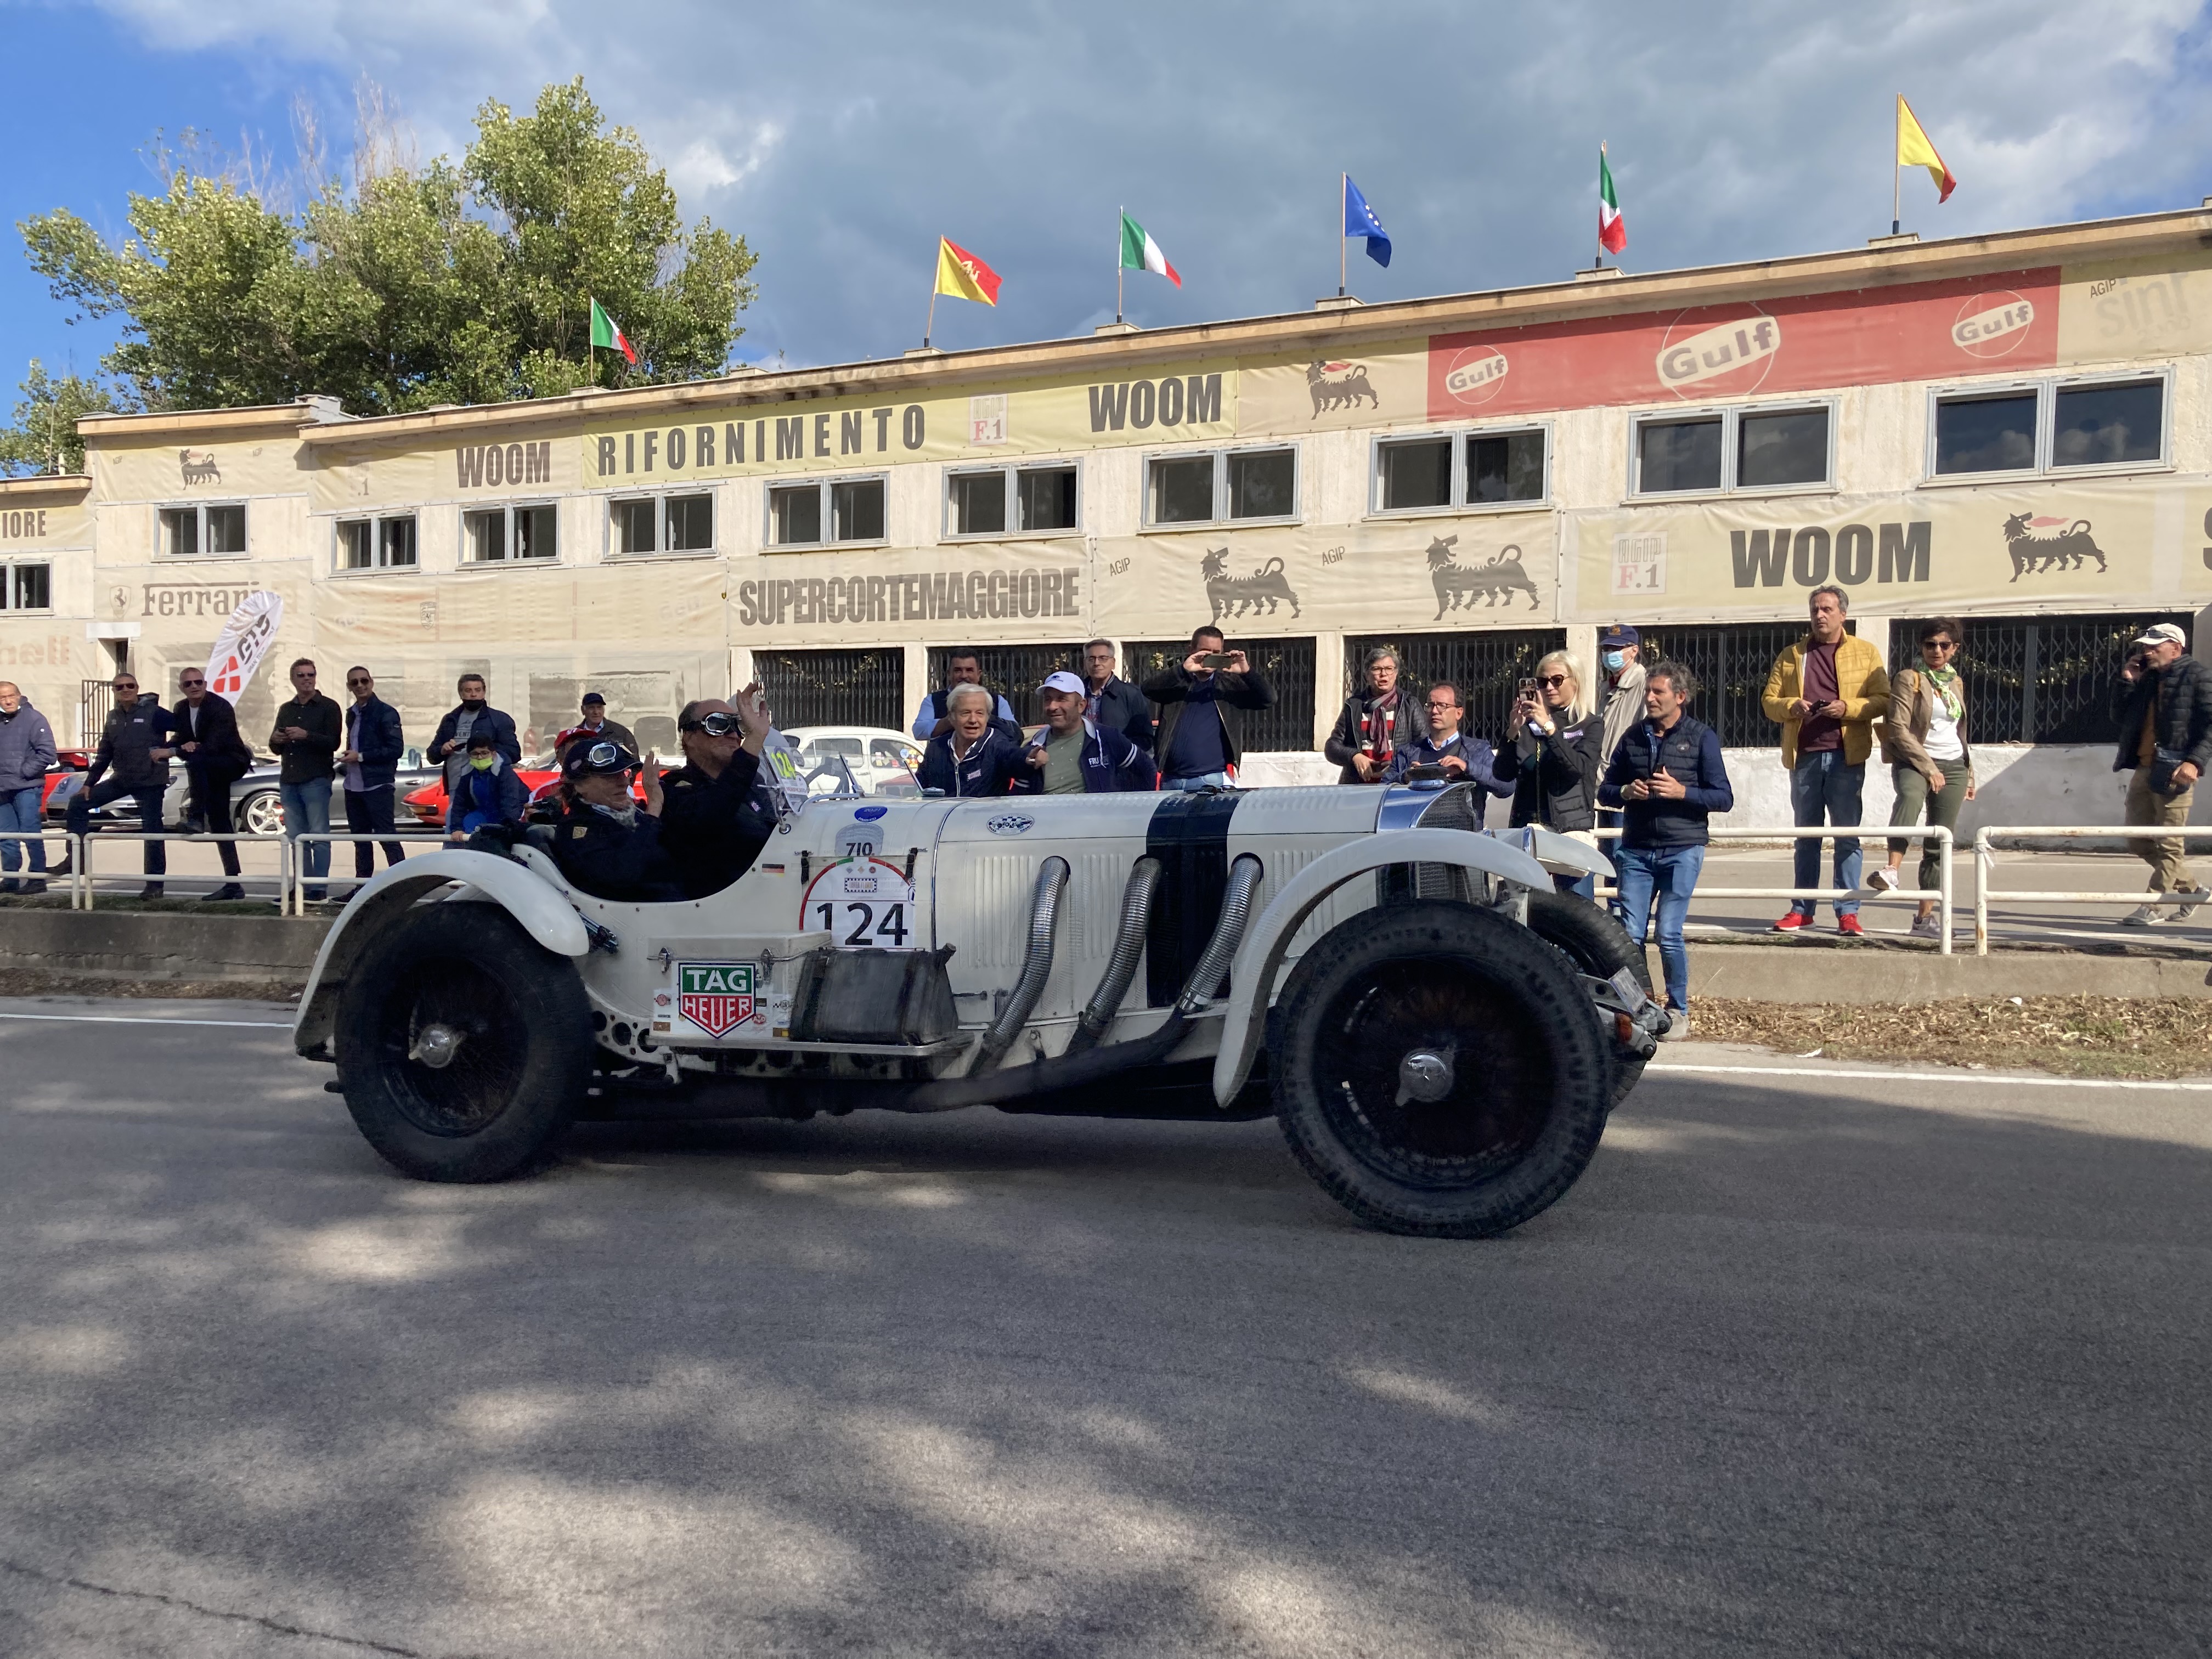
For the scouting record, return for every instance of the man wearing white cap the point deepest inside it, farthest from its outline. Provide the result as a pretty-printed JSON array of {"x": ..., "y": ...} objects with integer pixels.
[
  {"x": 2164, "y": 704},
  {"x": 1074, "y": 756}
]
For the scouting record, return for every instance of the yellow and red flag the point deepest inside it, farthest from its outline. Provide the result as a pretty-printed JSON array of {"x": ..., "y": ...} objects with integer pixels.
[
  {"x": 964, "y": 276},
  {"x": 1914, "y": 150}
]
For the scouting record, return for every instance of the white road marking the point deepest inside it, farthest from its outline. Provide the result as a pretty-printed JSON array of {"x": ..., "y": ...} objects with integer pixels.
[
  {"x": 139, "y": 1019},
  {"x": 1961, "y": 1076}
]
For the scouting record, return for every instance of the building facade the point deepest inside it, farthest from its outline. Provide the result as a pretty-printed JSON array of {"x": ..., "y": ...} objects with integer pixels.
[{"x": 2012, "y": 429}]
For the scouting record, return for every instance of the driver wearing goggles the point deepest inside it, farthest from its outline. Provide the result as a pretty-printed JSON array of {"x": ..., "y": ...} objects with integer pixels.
[
  {"x": 712, "y": 827},
  {"x": 603, "y": 840}
]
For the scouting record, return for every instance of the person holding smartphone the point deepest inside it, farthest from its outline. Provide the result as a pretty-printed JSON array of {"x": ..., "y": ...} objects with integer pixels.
[
  {"x": 1199, "y": 700},
  {"x": 1667, "y": 778},
  {"x": 1554, "y": 755}
]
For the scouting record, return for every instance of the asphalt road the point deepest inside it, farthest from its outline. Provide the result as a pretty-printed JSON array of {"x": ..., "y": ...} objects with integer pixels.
[{"x": 1803, "y": 1365}]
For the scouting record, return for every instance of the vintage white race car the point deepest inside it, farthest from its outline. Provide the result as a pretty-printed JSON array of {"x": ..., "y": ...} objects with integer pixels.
[{"x": 1440, "y": 1033}]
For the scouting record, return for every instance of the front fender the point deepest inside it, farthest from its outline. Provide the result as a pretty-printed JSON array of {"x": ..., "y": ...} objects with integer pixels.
[
  {"x": 1268, "y": 942},
  {"x": 545, "y": 914}
]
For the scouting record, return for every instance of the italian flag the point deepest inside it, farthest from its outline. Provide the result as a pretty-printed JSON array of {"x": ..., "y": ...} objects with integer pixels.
[
  {"x": 1140, "y": 252},
  {"x": 605, "y": 333},
  {"x": 1612, "y": 228}
]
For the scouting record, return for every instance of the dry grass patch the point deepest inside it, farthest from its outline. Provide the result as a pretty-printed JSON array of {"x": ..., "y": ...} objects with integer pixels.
[{"x": 2073, "y": 1036}]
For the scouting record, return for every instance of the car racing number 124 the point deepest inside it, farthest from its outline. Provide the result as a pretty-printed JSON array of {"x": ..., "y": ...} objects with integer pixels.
[{"x": 861, "y": 901}]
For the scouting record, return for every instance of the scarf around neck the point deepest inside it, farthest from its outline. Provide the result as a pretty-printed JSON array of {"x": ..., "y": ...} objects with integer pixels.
[{"x": 1946, "y": 681}]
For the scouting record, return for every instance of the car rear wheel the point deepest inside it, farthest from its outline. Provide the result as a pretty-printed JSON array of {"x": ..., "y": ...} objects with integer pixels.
[
  {"x": 1600, "y": 946},
  {"x": 463, "y": 1045},
  {"x": 1437, "y": 1070},
  {"x": 261, "y": 813}
]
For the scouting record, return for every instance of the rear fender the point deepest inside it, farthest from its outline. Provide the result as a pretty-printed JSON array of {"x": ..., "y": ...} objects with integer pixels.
[
  {"x": 540, "y": 907},
  {"x": 1259, "y": 959}
]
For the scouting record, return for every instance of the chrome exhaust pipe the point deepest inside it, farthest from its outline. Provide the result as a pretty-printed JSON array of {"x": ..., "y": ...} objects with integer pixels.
[
  {"x": 1122, "y": 967},
  {"x": 1037, "y": 968}
]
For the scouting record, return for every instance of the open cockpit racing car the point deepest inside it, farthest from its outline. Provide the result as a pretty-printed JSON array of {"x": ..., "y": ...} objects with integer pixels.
[{"x": 1440, "y": 1033}]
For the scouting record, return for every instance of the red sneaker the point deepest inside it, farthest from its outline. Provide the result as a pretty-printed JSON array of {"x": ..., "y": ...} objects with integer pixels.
[
  {"x": 1792, "y": 923},
  {"x": 1850, "y": 926}
]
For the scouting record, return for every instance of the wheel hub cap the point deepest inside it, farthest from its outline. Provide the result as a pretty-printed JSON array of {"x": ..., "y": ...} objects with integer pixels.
[
  {"x": 435, "y": 1047},
  {"x": 1424, "y": 1074}
]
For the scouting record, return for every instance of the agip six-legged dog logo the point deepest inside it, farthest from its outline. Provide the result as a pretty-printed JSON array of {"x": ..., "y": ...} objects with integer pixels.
[
  {"x": 1232, "y": 595},
  {"x": 2041, "y": 544},
  {"x": 1458, "y": 585}
]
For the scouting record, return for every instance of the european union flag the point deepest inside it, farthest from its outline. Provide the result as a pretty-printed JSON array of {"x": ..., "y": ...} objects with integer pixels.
[{"x": 1359, "y": 220}]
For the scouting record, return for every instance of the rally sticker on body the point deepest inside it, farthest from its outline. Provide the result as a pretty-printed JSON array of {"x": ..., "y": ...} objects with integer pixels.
[
  {"x": 861, "y": 901},
  {"x": 717, "y": 997}
]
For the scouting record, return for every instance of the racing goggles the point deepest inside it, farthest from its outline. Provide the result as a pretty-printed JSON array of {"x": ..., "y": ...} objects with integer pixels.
[
  {"x": 601, "y": 757},
  {"x": 716, "y": 724}
]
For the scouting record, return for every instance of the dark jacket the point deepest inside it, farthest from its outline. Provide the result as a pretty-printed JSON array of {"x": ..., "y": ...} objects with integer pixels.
[
  {"x": 1691, "y": 753},
  {"x": 934, "y": 708},
  {"x": 1477, "y": 756},
  {"x": 373, "y": 728},
  {"x": 1121, "y": 708},
  {"x": 221, "y": 751},
  {"x": 713, "y": 829},
  {"x": 1554, "y": 779},
  {"x": 2182, "y": 729},
  {"x": 614, "y": 861},
  {"x": 307, "y": 761},
  {"x": 500, "y": 795},
  {"x": 609, "y": 732},
  {"x": 133, "y": 731},
  {"x": 27, "y": 748},
  {"x": 1345, "y": 740},
  {"x": 1170, "y": 689},
  {"x": 989, "y": 770},
  {"x": 1111, "y": 764},
  {"x": 502, "y": 729}
]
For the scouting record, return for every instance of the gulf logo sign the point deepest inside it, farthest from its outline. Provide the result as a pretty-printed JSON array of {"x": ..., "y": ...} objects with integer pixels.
[
  {"x": 1476, "y": 374},
  {"x": 1718, "y": 358},
  {"x": 1992, "y": 324}
]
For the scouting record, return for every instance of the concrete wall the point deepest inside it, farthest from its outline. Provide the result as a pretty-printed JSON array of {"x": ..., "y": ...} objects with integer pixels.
[{"x": 161, "y": 945}]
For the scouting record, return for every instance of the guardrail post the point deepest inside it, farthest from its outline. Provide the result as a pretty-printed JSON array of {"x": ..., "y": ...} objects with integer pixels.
[
  {"x": 1943, "y": 889},
  {"x": 1982, "y": 850}
]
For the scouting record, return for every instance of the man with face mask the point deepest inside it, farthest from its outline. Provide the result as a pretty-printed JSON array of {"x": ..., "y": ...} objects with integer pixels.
[
  {"x": 449, "y": 744},
  {"x": 1620, "y": 652}
]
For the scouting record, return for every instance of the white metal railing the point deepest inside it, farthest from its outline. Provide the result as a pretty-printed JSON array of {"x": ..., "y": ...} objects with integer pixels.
[
  {"x": 1935, "y": 832},
  {"x": 82, "y": 882},
  {"x": 23, "y": 840},
  {"x": 295, "y": 880},
  {"x": 1985, "y": 861}
]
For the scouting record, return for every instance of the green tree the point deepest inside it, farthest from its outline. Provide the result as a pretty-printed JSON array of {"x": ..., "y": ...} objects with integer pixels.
[
  {"x": 43, "y": 436},
  {"x": 419, "y": 285}
]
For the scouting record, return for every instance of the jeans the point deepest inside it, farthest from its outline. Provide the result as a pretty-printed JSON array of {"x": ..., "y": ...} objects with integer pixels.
[
  {"x": 307, "y": 812},
  {"x": 367, "y": 812},
  {"x": 1943, "y": 808},
  {"x": 1671, "y": 872},
  {"x": 19, "y": 813},
  {"x": 149, "y": 816},
  {"x": 1191, "y": 786},
  {"x": 1825, "y": 789}
]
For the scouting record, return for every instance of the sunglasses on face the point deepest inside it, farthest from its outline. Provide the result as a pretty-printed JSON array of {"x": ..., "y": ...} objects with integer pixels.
[
  {"x": 191, "y": 685},
  {"x": 1939, "y": 644},
  {"x": 360, "y": 679},
  {"x": 1552, "y": 680},
  {"x": 716, "y": 725},
  {"x": 303, "y": 673},
  {"x": 126, "y": 686}
]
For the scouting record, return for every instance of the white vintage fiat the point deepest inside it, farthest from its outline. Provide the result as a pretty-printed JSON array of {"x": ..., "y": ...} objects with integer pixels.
[{"x": 1440, "y": 1033}]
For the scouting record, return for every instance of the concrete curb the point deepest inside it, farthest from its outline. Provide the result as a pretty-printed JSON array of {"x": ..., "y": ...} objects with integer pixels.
[{"x": 154, "y": 944}]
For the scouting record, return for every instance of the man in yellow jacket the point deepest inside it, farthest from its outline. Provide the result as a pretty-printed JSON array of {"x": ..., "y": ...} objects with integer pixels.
[{"x": 1825, "y": 692}]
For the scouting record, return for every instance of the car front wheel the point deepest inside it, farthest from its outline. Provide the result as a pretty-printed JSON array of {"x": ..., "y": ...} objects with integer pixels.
[{"x": 1437, "y": 1070}]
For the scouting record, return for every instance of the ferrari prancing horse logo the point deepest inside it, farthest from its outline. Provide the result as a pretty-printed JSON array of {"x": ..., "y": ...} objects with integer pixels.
[{"x": 717, "y": 997}]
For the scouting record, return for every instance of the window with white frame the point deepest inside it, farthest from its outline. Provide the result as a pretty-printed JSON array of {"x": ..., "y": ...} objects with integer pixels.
[
  {"x": 662, "y": 524},
  {"x": 2116, "y": 424},
  {"x": 1441, "y": 472},
  {"x": 207, "y": 528},
  {"x": 1221, "y": 485},
  {"x": 834, "y": 510},
  {"x": 26, "y": 586},
  {"x": 383, "y": 544},
  {"x": 1010, "y": 500},
  {"x": 526, "y": 530},
  {"x": 1721, "y": 450}
]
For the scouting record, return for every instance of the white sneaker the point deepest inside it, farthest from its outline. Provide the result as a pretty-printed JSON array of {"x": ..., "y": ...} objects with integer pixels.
[
  {"x": 2183, "y": 912},
  {"x": 2147, "y": 915},
  {"x": 1882, "y": 879},
  {"x": 1680, "y": 1029}
]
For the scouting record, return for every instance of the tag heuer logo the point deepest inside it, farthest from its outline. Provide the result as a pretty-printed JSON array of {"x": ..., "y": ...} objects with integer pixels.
[{"x": 717, "y": 997}]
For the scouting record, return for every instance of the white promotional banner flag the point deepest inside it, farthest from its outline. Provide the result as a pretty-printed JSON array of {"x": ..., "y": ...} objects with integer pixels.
[{"x": 244, "y": 640}]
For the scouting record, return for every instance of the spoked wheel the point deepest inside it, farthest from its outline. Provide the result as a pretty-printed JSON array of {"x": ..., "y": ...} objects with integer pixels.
[
  {"x": 1600, "y": 946},
  {"x": 261, "y": 813},
  {"x": 1437, "y": 1070},
  {"x": 463, "y": 1045}
]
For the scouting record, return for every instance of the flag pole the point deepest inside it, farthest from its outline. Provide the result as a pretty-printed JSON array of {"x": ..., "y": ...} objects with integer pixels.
[
  {"x": 1118, "y": 235},
  {"x": 1896, "y": 172},
  {"x": 1597, "y": 260},
  {"x": 930, "y": 327},
  {"x": 1343, "y": 196}
]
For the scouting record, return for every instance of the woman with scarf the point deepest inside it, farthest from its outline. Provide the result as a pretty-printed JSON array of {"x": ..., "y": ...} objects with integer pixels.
[
  {"x": 1924, "y": 741},
  {"x": 1376, "y": 722}
]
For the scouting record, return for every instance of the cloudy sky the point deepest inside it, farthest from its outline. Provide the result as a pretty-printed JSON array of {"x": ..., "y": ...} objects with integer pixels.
[{"x": 842, "y": 140}]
